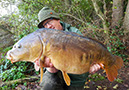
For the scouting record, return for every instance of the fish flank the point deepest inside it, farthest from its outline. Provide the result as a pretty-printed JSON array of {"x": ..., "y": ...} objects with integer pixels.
[{"x": 69, "y": 52}]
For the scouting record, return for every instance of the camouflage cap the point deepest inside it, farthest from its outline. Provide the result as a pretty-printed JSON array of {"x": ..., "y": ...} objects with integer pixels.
[{"x": 46, "y": 13}]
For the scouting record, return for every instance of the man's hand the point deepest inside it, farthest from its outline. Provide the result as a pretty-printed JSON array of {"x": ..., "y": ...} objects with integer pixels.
[
  {"x": 47, "y": 63},
  {"x": 95, "y": 67},
  {"x": 49, "y": 66}
]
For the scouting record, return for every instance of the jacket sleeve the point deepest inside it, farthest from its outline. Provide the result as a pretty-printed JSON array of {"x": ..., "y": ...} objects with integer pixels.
[{"x": 73, "y": 29}]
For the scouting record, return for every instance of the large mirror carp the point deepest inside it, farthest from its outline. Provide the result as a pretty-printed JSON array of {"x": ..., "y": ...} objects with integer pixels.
[{"x": 69, "y": 52}]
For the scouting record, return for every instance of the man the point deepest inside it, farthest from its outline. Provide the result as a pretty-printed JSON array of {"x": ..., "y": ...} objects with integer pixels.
[{"x": 52, "y": 78}]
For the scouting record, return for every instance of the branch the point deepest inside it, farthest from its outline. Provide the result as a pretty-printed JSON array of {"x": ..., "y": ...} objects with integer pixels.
[
  {"x": 66, "y": 14},
  {"x": 31, "y": 3},
  {"x": 98, "y": 11},
  {"x": 32, "y": 78},
  {"x": 100, "y": 14}
]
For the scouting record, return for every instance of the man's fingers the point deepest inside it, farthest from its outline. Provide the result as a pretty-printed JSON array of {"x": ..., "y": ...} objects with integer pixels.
[
  {"x": 101, "y": 65},
  {"x": 47, "y": 62},
  {"x": 37, "y": 62},
  {"x": 92, "y": 69},
  {"x": 95, "y": 68},
  {"x": 51, "y": 65},
  {"x": 36, "y": 67}
]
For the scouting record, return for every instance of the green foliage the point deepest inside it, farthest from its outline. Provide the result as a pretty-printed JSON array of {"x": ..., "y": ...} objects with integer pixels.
[
  {"x": 6, "y": 49},
  {"x": 96, "y": 77},
  {"x": 116, "y": 45},
  {"x": 119, "y": 80},
  {"x": 4, "y": 88},
  {"x": 26, "y": 20},
  {"x": 14, "y": 71},
  {"x": 11, "y": 87},
  {"x": 25, "y": 83}
]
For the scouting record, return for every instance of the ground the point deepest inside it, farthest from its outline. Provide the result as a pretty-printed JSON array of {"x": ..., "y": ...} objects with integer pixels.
[
  {"x": 115, "y": 85},
  {"x": 121, "y": 84}
]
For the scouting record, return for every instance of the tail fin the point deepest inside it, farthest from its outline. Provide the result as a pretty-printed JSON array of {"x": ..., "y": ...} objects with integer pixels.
[{"x": 112, "y": 71}]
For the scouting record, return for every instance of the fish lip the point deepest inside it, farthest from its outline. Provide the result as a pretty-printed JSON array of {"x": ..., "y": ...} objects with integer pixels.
[{"x": 9, "y": 57}]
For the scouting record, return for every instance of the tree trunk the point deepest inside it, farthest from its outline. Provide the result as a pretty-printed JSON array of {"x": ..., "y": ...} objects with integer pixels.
[
  {"x": 117, "y": 13},
  {"x": 100, "y": 14},
  {"x": 126, "y": 20},
  {"x": 6, "y": 38}
]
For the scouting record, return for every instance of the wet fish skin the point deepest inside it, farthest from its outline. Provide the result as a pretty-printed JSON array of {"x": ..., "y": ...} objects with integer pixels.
[{"x": 69, "y": 52}]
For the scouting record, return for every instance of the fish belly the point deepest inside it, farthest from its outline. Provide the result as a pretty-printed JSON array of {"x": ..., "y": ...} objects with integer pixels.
[{"x": 75, "y": 63}]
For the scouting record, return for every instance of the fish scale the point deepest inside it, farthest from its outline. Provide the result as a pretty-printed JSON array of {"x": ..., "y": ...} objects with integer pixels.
[{"x": 69, "y": 52}]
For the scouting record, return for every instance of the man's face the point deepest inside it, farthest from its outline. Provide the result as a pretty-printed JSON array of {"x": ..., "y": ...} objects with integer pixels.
[{"x": 53, "y": 24}]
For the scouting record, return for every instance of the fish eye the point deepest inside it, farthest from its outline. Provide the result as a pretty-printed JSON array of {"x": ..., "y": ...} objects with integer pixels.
[{"x": 18, "y": 46}]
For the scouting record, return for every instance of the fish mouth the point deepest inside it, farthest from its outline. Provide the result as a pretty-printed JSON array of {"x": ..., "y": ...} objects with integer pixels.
[{"x": 10, "y": 57}]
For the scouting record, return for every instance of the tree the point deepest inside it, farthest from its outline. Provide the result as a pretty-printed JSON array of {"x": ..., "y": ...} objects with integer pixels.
[
  {"x": 6, "y": 37},
  {"x": 117, "y": 13},
  {"x": 100, "y": 14},
  {"x": 126, "y": 20}
]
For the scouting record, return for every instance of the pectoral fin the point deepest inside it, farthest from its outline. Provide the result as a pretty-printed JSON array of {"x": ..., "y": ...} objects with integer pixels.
[
  {"x": 41, "y": 74},
  {"x": 66, "y": 78},
  {"x": 41, "y": 70}
]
